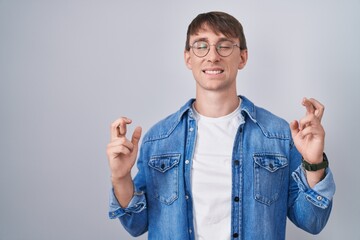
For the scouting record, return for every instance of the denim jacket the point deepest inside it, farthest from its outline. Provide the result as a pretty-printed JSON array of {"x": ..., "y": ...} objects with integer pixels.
[{"x": 268, "y": 183}]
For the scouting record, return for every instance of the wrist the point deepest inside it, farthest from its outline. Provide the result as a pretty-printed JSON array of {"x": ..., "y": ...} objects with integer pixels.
[
  {"x": 116, "y": 180},
  {"x": 314, "y": 177}
]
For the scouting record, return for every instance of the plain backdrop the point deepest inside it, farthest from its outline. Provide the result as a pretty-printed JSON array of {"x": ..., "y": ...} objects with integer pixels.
[{"x": 68, "y": 68}]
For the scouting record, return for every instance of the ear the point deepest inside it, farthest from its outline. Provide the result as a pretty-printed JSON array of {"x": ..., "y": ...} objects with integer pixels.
[
  {"x": 244, "y": 58},
  {"x": 187, "y": 59}
]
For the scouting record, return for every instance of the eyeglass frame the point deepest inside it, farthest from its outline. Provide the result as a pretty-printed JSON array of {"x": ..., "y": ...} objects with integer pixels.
[{"x": 216, "y": 47}]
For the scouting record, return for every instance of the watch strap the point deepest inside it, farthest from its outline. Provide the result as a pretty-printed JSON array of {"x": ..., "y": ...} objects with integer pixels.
[{"x": 314, "y": 167}]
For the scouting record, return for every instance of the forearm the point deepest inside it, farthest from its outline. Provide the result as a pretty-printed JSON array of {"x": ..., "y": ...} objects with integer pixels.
[
  {"x": 314, "y": 177},
  {"x": 123, "y": 190},
  {"x": 133, "y": 216}
]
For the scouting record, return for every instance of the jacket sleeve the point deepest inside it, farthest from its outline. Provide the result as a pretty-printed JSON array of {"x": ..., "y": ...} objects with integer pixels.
[
  {"x": 134, "y": 217},
  {"x": 309, "y": 208}
]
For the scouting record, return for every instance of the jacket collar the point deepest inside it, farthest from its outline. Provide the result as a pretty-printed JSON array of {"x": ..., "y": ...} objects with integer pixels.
[{"x": 246, "y": 107}]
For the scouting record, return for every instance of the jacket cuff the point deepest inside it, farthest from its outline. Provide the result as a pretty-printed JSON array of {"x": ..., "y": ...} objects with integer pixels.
[
  {"x": 322, "y": 193},
  {"x": 136, "y": 205}
]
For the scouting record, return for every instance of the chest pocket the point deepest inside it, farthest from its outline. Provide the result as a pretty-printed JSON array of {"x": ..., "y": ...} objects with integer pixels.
[
  {"x": 269, "y": 170},
  {"x": 165, "y": 177}
]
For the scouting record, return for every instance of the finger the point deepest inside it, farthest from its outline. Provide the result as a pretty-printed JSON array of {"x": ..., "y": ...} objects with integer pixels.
[
  {"x": 310, "y": 132},
  {"x": 305, "y": 133},
  {"x": 122, "y": 125},
  {"x": 136, "y": 136},
  {"x": 122, "y": 142},
  {"x": 307, "y": 121},
  {"x": 319, "y": 108},
  {"x": 294, "y": 128},
  {"x": 114, "y": 128},
  {"x": 308, "y": 105},
  {"x": 121, "y": 150},
  {"x": 117, "y": 149}
]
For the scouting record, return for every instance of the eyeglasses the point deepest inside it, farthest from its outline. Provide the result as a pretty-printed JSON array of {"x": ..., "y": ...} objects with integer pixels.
[{"x": 223, "y": 48}]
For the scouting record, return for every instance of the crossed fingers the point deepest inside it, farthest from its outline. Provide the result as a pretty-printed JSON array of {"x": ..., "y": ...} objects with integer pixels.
[
  {"x": 314, "y": 113},
  {"x": 313, "y": 107},
  {"x": 118, "y": 128}
]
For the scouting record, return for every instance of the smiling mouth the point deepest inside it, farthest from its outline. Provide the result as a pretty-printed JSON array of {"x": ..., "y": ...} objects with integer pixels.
[{"x": 213, "y": 72}]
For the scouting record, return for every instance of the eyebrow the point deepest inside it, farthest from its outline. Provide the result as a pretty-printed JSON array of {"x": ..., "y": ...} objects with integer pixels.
[{"x": 207, "y": 40}]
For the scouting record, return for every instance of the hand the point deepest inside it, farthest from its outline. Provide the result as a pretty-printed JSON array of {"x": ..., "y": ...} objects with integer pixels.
[
  {"x": 121, "y": 152},
  {"x": 308, "y": 134}
]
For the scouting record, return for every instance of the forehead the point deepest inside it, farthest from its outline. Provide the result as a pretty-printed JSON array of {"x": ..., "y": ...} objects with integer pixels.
[{"x": 207, "y": 33}]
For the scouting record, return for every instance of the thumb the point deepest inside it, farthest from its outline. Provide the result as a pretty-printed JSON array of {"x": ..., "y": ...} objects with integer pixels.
[
  {"x": 136, "y": 137},
  {"x": 294, "y": 128}
]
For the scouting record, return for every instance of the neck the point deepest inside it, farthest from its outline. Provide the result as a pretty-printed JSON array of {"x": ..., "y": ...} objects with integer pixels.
[{"x": 214, "y": 104}]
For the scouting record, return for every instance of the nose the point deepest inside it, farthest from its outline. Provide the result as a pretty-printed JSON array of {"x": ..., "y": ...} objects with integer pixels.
[{"x": 213, "y": 55}]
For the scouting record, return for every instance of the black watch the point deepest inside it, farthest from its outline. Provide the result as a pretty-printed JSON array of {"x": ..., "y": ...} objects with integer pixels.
[{"x": 314, "y": 167}]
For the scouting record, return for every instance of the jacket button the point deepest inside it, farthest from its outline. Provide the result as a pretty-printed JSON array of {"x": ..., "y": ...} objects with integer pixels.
[
  {"x": 187, "y": 161},
  {"x": 236, "y": 199},
  {"x": 236, "y": 162},
  {"x": 235, "y": 235}
]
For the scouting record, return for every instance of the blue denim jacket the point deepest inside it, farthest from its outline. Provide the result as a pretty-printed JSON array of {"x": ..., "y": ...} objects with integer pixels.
[{"x": 268, "y": 183}]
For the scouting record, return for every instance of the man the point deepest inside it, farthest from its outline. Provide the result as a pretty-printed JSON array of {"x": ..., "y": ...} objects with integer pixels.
[{"x": 221, "y": 167}]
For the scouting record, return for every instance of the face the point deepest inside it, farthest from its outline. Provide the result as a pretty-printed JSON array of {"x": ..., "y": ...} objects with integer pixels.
[{"x": 214, "y": 72}]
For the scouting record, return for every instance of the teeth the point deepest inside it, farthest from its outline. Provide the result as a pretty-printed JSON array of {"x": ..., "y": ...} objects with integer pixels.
[{"x": 213, "y": 72}]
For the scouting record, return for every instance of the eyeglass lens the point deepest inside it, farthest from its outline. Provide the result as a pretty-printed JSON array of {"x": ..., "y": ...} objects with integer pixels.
[{"x": 223, "y": 48}]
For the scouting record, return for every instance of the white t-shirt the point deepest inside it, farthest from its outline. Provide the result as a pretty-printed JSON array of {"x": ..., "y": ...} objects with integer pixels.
[{"x": 211, "y": 175}]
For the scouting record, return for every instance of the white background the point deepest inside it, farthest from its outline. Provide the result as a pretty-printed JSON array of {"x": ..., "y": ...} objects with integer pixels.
[{"x": 69, "y": 68}]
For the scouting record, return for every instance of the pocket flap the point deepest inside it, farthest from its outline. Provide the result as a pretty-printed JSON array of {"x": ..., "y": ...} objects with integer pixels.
[
  {"x": 162, "y": 163},
  {"x": 271, "y": 162}
]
